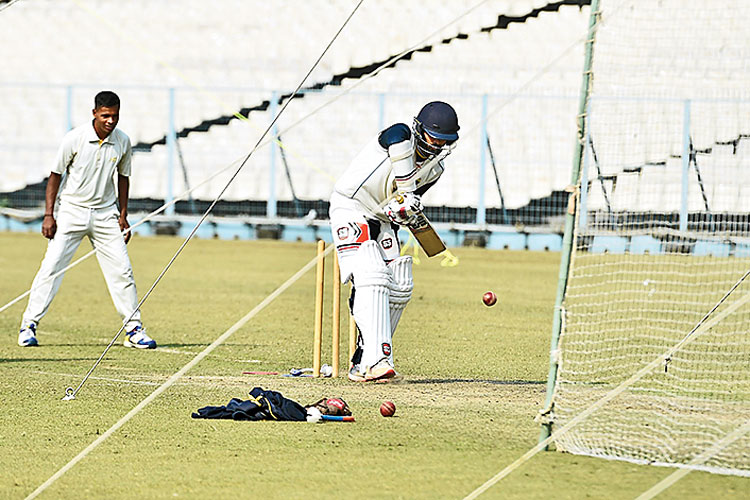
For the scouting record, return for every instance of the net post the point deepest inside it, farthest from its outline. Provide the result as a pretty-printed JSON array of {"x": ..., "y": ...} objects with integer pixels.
[
  {"x": 567, "y": 245},
  {"x": 318, "y": 324}
]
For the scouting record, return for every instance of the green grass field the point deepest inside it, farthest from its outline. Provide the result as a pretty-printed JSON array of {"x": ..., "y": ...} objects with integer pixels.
[{"x": 474, "y": 378}]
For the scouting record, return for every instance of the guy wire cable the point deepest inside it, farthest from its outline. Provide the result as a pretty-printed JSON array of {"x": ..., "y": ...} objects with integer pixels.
[
  {"x": 8, "y": 5},
  {"x": 177, "y": 375},
  {"x": 291, "y": 126},
  {"x": 668, "y": 358},
  {"x": 377, "y": 70},
  {"x": 246, "y": 119},
  {"x": 145, "y": 219},
  {"x": 512, "y": 97},
  {"x": 697, "y": 460},
  {"x": 205, "y": 92},
  {"x": 699, "y": 328},
  {"x": 69, "y": 392},
  {"x": 186, "y": 193}
]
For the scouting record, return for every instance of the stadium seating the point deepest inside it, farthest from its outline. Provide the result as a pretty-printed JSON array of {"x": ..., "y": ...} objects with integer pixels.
[
  {"x": 226, "y": 55},
  {"x": 213, "y": 60}
]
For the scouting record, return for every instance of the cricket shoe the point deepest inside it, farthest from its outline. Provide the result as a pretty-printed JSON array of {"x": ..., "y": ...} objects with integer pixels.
[
  {"x": 27, "y": 335},
  {"x": 137, "y": 338},
  {"x": 382, "y": 370}
]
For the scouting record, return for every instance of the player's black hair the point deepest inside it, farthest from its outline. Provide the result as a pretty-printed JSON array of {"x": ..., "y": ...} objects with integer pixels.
[{"x": 107, "y": 99}]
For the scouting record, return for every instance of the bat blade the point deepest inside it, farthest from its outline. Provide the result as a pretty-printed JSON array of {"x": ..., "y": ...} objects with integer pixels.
[{"x": 426, "y": 236}]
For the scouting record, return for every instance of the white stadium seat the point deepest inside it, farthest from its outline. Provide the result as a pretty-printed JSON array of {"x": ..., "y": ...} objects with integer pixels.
[{"x": 222, "y": 56}]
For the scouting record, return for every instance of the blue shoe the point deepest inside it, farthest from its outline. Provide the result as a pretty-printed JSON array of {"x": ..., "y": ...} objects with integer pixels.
[
  {"x": 27, "y": 335},
  {"x": 137, "y": 338}
]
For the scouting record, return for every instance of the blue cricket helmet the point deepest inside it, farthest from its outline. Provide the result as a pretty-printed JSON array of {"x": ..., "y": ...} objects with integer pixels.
[{"x": 438, "y": 120}]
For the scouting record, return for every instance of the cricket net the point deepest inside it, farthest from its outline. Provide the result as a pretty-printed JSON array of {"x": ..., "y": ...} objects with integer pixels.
[{"x": 662, "y": 233}]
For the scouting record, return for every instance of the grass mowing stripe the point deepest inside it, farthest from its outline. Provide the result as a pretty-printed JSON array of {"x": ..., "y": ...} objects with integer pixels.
[
  {"x": 216, "y": 343},
  {"x": 698, "y": 460},
  {"x": 105, "y": 379}
]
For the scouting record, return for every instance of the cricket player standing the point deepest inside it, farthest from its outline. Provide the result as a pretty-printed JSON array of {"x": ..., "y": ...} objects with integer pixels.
[
  {"x": 379, "y": 192},
  {"x": 89, "y": 156}
]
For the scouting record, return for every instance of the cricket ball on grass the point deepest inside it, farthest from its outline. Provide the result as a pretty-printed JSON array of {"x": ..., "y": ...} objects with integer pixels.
[
  {"x": 387, "y": 409},
  {"x": 489, "y": 299}
]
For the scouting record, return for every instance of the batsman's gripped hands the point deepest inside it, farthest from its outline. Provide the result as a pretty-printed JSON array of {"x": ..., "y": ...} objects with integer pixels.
[{"x": 403, "y": 208}]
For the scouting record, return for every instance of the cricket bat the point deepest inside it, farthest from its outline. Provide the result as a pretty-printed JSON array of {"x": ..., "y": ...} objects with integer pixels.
[{"x": 426, "y": 235}]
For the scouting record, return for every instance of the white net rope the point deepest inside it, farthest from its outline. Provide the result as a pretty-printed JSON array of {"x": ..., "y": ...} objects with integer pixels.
[{"x": 662, "y": 234}]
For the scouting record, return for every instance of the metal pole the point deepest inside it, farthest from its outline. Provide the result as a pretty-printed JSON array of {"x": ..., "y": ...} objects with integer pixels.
[
  {"x": 171, "y": 139},
  {"x": 567, "y": 248},
  {"x": 271, "y": 203},
  {"x": 295, "y": 200},
  {"x": 685, "y": 165},
  {"x": 185, "y": 176},
  {"x": 69, "y": 108},
  {"x": 497, "y": 181},
  {"x": 381, "y": 111},
  {"x": 481, "y": 208}
]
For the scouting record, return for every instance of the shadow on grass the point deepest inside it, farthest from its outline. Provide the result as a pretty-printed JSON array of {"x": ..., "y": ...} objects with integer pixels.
[
  {"x": 204, "y": 345},
  {"x": 25, "y": 360},
  {"x": 48, "y": 345},
  {"x": 174, "y": 346},
  {"x": 475, "y": 381}
]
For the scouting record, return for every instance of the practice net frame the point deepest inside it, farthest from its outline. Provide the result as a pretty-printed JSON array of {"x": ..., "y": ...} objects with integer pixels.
[{"x": 658, "y": 232}]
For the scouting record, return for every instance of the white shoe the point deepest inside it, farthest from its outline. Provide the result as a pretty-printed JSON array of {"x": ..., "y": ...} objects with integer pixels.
[
  {"x": 381, "y": 370},
  {"x": 27, "y": 335},
  {"x": 137, "y": 338},
  {"x": 356, "y": 374}
]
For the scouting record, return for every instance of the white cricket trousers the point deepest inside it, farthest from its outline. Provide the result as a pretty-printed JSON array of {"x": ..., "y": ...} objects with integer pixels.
[{"x": 102, "y": 227}]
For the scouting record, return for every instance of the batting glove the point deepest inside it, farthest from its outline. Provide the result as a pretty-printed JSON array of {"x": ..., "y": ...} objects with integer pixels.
[{"x": 403, "y": 208}]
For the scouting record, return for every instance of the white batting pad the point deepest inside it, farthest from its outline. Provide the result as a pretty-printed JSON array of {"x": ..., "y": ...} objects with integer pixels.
[
  {"x": 372, "y": 281},
  {"x": 401, "y": 288}
]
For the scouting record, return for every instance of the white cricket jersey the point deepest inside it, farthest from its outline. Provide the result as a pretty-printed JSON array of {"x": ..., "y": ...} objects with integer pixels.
[
  {"x": 91, "y": 164},
  {"x": 370, "y": 179}
]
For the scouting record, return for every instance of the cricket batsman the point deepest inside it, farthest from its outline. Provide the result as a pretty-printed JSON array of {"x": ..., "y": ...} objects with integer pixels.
[{"x": 379, "y": 192}]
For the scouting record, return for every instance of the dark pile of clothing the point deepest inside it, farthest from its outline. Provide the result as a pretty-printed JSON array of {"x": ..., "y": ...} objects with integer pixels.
[{"x": 271, "y": 405}]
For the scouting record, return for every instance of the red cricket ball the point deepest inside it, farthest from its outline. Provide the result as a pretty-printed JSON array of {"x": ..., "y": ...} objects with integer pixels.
[
  {"x": 489, "y": 299},
  {"x": 387, "y": 409}
]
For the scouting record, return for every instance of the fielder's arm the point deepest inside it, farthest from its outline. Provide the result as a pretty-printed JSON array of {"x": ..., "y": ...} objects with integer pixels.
[
  {"x": 49, "y": 225},
  {"x": 123, "y": 188}
]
